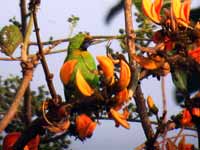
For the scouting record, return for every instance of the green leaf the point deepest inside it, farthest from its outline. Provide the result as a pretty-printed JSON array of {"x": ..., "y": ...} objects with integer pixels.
[
  {"x": 138, "y": 5},
  {"x": 179, "y": 78},
  {"x": 10, "y": 38}
]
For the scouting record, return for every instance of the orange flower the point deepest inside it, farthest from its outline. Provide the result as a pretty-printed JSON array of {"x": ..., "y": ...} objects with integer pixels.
[
  {"x": 107, "y": 67},
  {"x": 84, "y": 126},
  {"x": 125, "y": 115},
  {"x": 181, "y": 11},
  {"x": 125, "y": 75},
  {"x": 152, "y": 10},
  {"x": 195, "y": 54},
  {"x": 67, "y": 70},
  {"x": 151, "y": 105},
  {"x": 196, "y": 111},
  {"x": 188, "y": 147},
  {"x": 120, "y": 119},
  {"x": 183, "y": 146},
  {"x": 186, "y": 119},
  {"x": 149, "y": 63},
  {"x": 11, "y": 138}
]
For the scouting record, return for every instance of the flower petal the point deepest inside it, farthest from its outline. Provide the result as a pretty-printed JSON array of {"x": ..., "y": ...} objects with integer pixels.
[
  {"x": 196, "y": 111},
  {"x": 186, "y": 118},
  {"x": 152, "y": 10},
  {"x": 82, "y": 84},
  {"x": 125, "y": 74},
  {"x": 119, "y": 118},
  {"x": 107, "y": 67},
  {"x": 149, "y": 63},
  {"x": 195, "y": 54},
  {"x": 176, "y": 6},
  {"x": 84, "y": 126},
  {"x": 67, "y": 70},
  {"x": 158, "y": 5},
  {"x": 181, "y": 11},
  {"x": 185, "y": 11},
  {"x": 146, "y": 7}
]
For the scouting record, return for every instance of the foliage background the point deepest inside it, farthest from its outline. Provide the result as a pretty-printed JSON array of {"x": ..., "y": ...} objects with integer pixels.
[{"x": 52, "y": 18}]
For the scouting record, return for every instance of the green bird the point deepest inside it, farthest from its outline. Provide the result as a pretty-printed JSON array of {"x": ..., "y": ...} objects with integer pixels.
[{"x": 78, "y": 73}]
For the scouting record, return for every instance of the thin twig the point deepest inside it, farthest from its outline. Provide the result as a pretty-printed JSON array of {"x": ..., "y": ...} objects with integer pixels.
[
  {"x": 45, "y": 51},
  {"x": 174, "y": 137},
  {"x": 164, "y": 109},
  {"x": 178, "y": 135},
  {"x": 48, "y": 75},
  {"x": 10, "y": 59},
  {"x": 28, "y": 30},
  {"x": 142, "y": 146},
  {"x": 108, "y": 37}
]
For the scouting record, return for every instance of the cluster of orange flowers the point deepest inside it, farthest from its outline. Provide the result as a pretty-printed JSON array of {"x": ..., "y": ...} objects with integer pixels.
[
  {"x": 186, "y": 119},
  {"x": 177, "y": 16},
  {"x": 180, "y": 12},
  {"x": 107, "y": 65}
]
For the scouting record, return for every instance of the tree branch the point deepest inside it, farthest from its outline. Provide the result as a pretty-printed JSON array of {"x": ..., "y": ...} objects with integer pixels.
[
  {"x": 129, "y": 26},
  {"x": 48, "y": 75},
  {"x": 23, "y": 16},
  {"x": 26, "y": 32},
  {"x": 139, "y": 98},
  {"x": 142, "y": 110},
  {"x": 108, "y": 37},
  {"x": 20, "y": 93}
]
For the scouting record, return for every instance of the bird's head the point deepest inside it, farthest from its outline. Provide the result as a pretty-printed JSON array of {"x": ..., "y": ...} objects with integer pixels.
[{"x": 80, "y": 41}]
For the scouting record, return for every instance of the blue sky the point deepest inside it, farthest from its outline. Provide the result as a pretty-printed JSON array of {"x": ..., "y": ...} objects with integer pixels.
[{"x": 52, "y": 17}]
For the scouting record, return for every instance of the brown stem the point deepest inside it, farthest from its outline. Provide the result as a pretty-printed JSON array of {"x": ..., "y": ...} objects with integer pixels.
[
  {"x": 164, "y": 109},
  {"x": 27, "y": 96},
  {"x": 48, "y": 75},
  {"x": 23, "y": 16},
  {"x": 139, "y": 98},
  {"x": 129, "y": 26},
  {"x": 27, "y": 109},
  {"x": 20, "y": 93},
  {"x": 142, "y": 110}
]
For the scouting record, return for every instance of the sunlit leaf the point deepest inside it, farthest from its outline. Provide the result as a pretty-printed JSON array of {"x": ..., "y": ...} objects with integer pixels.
[{"x": 10, "y": 38}]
